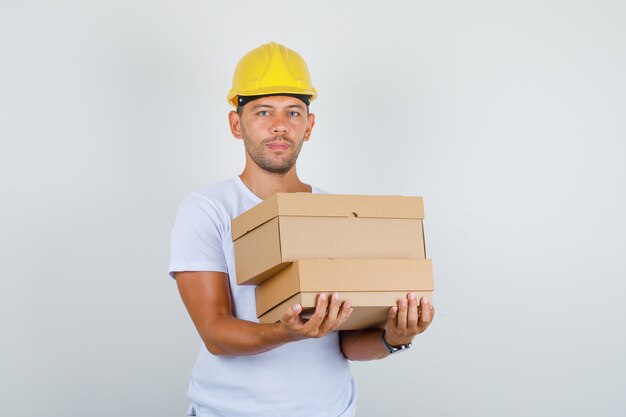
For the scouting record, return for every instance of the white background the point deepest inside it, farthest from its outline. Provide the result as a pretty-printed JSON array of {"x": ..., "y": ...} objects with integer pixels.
[{"x": 508, "y": 117}]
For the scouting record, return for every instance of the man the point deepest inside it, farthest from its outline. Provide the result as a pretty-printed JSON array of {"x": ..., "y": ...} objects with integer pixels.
[{"x": 296, "y": 367}]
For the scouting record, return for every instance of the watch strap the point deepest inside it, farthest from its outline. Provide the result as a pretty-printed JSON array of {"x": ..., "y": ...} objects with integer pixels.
[{"x": 394, "y": 349}]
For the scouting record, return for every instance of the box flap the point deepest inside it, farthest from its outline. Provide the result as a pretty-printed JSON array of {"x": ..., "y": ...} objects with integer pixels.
[{"x": 327, "y": 205}]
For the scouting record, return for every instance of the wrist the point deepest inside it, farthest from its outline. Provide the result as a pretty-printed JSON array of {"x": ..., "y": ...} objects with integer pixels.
[
  {"x": 393, "y": 346},
  {"x": 394, "y": 340},
  {"x": 285, "y": 334}
]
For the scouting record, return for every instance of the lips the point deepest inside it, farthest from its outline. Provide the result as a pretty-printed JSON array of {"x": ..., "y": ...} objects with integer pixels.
[{"x": 278, "y": 146}]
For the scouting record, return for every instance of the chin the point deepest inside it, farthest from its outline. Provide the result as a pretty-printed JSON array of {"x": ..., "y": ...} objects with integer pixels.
[{"x": 277, "y": 170}]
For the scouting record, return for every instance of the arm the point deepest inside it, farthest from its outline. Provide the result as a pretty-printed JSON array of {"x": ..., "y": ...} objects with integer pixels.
[
  {"x": 206, "y": 296},
  {"x": 405, "y": 321}
]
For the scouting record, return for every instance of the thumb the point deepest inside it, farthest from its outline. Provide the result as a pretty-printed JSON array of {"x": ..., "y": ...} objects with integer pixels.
[
  {"x": 391, "y": 318},
  {"x": 291, "y": 313}
]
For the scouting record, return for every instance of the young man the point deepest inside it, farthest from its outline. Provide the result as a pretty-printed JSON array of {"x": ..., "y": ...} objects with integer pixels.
[{"x": 295, "y": 367}]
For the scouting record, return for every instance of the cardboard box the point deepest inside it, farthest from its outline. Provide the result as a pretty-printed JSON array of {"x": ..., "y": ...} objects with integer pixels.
[
  {"x": 372, "y": 285},
  {"x": 291, "y": 226},
  {"x": 370, "y": 308},
  {"x": 345, "y": 275}
]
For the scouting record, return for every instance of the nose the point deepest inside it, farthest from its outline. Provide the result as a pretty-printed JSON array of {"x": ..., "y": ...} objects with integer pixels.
[{"x": 279, "y": 124}]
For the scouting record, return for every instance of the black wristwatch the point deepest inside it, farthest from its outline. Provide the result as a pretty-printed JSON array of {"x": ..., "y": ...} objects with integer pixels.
[{"x": 395, "y": 349}]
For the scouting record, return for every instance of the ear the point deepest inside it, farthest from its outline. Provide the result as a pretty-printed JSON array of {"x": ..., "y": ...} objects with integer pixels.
[
  {"x": 309, "y": 126},
  {"x": 235, "y": 124}
]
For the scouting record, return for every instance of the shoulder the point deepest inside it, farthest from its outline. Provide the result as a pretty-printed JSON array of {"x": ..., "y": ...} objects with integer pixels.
[
  {"x": 220, "y": 194},
  {"x": 224, "y": 200},
  {"x": 214, "y": 200}
]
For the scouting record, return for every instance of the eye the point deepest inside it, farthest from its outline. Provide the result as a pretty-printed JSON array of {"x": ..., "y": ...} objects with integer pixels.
[
  {"x": 263, "y": 113},
  {"x": 294, "y": 113}
]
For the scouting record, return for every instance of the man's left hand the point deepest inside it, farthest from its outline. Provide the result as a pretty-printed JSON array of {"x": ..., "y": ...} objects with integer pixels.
[{"x": 408, "y": 319}]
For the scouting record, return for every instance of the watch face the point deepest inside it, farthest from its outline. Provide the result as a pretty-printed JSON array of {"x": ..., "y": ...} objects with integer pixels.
[{"x": 399, "y": 348}]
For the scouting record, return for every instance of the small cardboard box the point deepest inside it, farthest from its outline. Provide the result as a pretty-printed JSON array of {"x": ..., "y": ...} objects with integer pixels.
[
  {"x": 291, "y": 226},
  {"x": 372, "y": 285}
]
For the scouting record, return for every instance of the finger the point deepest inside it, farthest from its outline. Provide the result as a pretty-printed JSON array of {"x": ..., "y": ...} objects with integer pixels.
[
  {"x": 428, "y": 312},
  {"x": 320, "y": 313},
  {"x": 412, "y": 312},
  {"x": 291, "y": 314},
  {"x": 402, "y": 313},
  {"x": 344, "y": 313},
  {"x": 392, "y": 318},
  {"x": 335, "y": 305},
  {"x": 331, "y": 315}
]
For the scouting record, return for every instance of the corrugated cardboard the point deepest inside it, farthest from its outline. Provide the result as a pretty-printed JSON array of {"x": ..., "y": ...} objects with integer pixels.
[
  {"x": 346, "y": 275},
  {"x": 291, "y": 226},
  {"x": 371, "y": 309}
]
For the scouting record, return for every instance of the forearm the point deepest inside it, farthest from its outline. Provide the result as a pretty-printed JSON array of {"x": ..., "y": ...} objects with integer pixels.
[
  {"x": 363, "y": 345},
  {"x": 231, "y": 336},
  {"x": 207, "y": 297}
]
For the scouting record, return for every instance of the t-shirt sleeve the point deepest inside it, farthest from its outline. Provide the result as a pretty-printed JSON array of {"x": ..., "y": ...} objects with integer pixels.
[{"x": 197, "y": 237}]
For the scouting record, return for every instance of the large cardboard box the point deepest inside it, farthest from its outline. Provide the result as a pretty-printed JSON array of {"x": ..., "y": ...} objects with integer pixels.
[
  {"x": 372, "y": 285},
  {"x": 291, "y": 226}
]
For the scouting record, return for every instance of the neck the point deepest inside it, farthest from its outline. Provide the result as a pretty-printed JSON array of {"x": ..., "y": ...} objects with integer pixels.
[{"x": 265, "y": 184}]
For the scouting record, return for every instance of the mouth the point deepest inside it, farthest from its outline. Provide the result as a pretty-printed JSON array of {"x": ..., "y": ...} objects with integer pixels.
[{"x": 278, "y": 145}]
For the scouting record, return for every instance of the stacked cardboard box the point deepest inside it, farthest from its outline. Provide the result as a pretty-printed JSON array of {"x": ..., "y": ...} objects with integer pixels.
[{"x": 370, "y": 249}]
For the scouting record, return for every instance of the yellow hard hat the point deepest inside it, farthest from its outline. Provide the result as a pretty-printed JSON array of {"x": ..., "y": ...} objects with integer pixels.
[{"x": 271, "y": 69}]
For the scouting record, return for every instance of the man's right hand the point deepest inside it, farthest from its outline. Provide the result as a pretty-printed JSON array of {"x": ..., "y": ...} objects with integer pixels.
[
  {"x": 206, "y": 295},
  {"x": 328, "y": 316}
]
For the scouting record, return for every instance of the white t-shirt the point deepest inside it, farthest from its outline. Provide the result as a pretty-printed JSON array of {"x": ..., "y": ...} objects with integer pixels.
[{"x": 308, "y": 378}]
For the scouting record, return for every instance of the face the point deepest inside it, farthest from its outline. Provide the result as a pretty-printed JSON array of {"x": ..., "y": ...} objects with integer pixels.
[{"x": 273, "y": 130}]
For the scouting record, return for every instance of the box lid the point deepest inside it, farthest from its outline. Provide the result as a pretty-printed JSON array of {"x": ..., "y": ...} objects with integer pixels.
[{"x": 327, "y": 205}]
